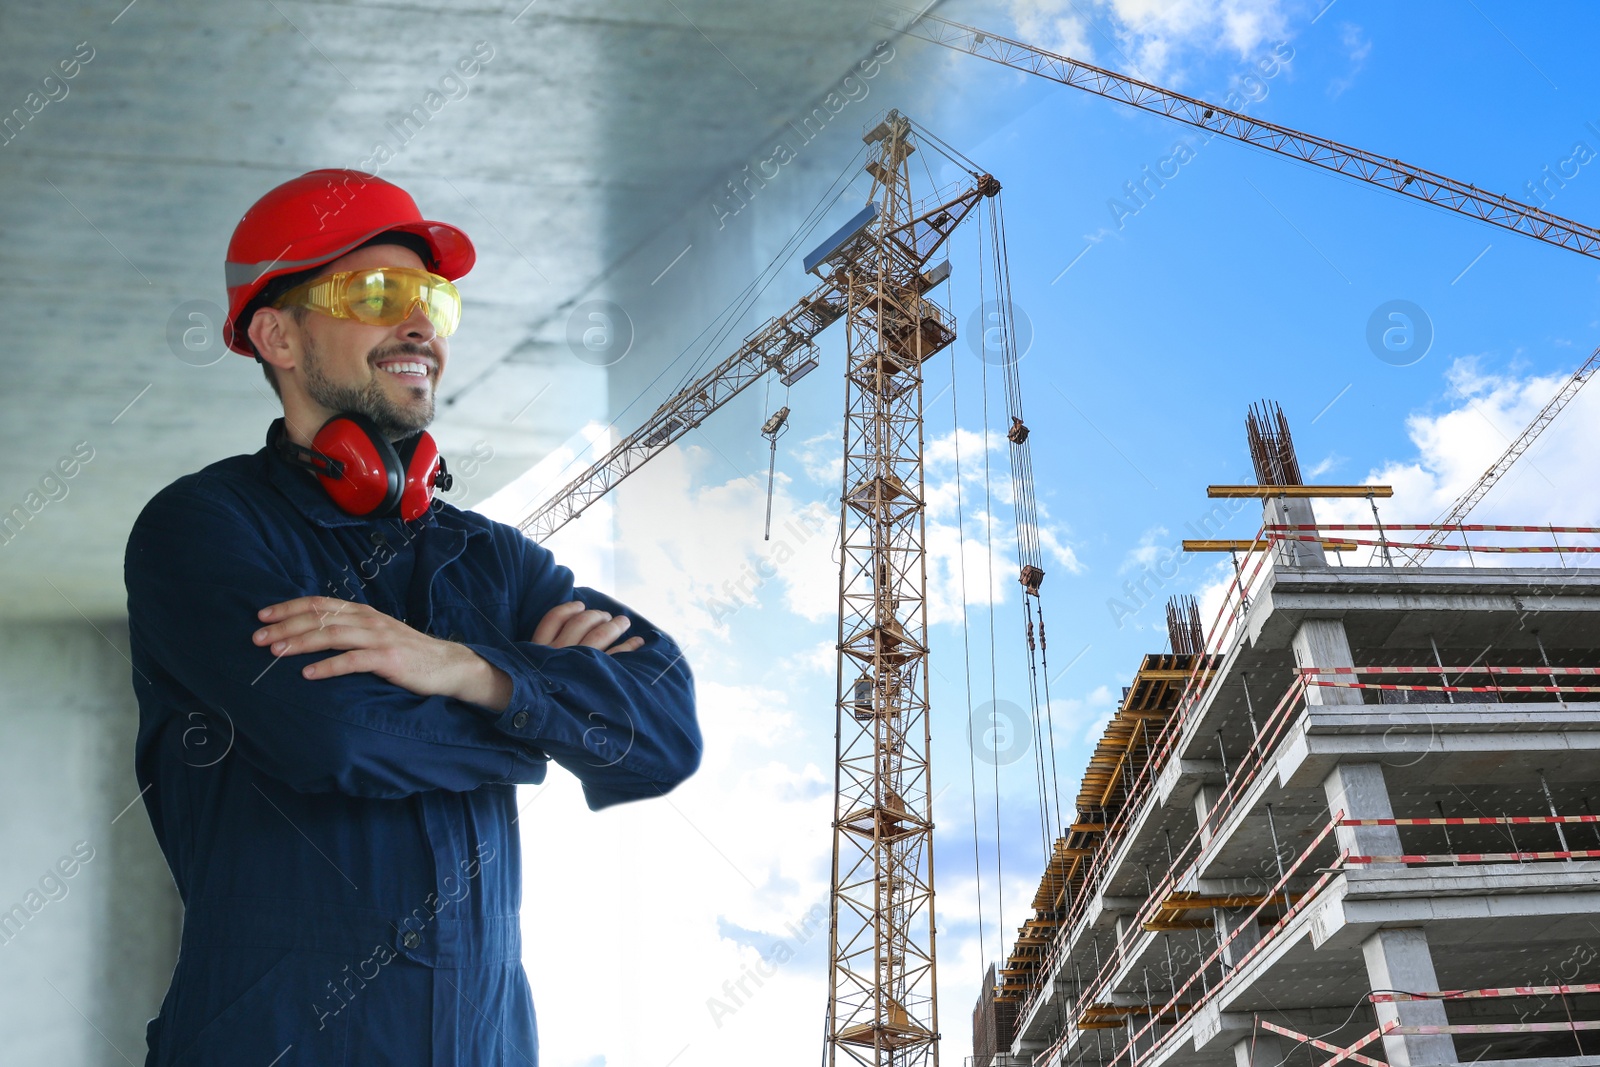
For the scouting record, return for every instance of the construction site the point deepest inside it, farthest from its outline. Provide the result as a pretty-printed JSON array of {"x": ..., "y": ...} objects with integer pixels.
[
  {"x": 1346, "y": 814},
  {"x": 1350, "y": 812},
  {"x": 1350, "y": 816}
]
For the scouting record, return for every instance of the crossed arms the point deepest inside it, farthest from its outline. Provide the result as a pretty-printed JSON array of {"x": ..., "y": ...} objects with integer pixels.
[{"x": 381, "y": 709}]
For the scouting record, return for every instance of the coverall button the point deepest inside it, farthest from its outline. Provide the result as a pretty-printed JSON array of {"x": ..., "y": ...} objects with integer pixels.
[
  {"x": 520, "y": 719},
  {"x": 412, "y": 939},
  {"x": 376, "y": 537}
]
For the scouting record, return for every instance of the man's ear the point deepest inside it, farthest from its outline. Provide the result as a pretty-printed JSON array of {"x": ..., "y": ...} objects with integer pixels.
[{"x": 273, "y": 332}]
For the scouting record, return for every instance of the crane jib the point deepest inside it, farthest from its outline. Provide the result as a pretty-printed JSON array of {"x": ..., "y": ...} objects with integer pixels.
[
  {"x": 1392, "y": 174},
  {"x": 784, "y": 346}
]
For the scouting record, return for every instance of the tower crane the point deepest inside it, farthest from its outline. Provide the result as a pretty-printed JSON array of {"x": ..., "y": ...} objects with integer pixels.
[
  {"x": 875, "y": 275},
  {"x": 784, "y": 345}
]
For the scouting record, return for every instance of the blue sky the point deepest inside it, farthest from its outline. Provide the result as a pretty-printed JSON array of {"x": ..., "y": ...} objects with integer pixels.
[{"x": 1246, "y": 276}]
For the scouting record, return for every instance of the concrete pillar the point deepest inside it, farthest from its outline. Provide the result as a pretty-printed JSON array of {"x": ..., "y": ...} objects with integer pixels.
[
  {"x": 1323, "y": 643},
  {"x": 1359, "y": 790},
  {"x": 85, "y": 956},
  {"x": 1400, "y": 960},
  {"x": 1228, "y": 920},
  {"x": 1294, "y": 511},
  {"x": 1259, "y": 1050},
  {"x": 1205, "y": 798}
]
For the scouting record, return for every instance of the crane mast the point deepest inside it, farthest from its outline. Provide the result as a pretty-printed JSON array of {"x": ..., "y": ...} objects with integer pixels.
[{"x": 882, "y": 997}]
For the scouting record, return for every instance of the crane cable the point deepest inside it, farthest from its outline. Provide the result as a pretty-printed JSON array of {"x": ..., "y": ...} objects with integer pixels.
[
  {"x": 1023, "y": 495},
  {"x": 1024, "y": 499},
  {"x": 966, "y": 655},
  {"x": 1025, "y": 507},
  {"x": 988, "y": 530}
]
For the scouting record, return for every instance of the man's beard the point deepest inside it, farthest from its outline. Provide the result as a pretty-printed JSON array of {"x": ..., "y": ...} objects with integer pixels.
[{"x": 393, "y": 422}]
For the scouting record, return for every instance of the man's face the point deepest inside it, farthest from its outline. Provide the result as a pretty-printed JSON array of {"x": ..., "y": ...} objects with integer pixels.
[{"x": 346, "y": 365}]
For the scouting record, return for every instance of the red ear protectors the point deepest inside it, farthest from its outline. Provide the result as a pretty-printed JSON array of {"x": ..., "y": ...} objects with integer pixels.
[{"x": 367, "y": 475}]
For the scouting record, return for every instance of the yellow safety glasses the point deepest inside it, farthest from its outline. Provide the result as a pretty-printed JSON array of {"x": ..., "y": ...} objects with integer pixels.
[{"x": 381, "y": 296}]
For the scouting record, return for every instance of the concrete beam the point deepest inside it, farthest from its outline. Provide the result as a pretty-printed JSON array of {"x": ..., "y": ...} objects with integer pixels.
[
  {"x": 1358, "y": 902},
  {"x": 1180, "y": 778},
  {"x": 1442, "y": 733}
]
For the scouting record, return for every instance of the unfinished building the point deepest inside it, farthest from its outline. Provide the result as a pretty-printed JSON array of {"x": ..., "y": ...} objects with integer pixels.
[{"x": 1350, "y": 819}]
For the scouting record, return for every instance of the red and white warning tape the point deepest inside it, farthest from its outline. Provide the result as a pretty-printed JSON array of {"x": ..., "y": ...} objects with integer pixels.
[
  {"x": 1471, "y": 527},
  {"x": 1472, "y": 821},
  {"x": 1479, "y": 857},
  {"x": 1347, "y": 1053},
  {"x": 1395, "y": 687},
  {"x": 1502, "y": 991},
  {"x": 1482, "y": 668}
]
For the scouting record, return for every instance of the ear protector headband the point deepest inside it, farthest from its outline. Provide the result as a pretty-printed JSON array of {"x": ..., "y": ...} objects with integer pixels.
[{"x": 367, "y": 475}]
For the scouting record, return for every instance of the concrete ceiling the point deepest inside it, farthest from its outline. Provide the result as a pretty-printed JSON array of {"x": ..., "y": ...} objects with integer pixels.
[{"x": 591, "y": 127}]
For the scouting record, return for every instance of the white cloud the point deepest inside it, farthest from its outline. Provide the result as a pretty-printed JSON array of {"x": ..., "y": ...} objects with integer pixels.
[
  {"x": 1152, "y": 545},
  {"x": 1323, "y": 466},
  {"x": 966, "y": 529},
  {"x": 1081, "y": 720},
  {"x": 821, "y": 459},
  {"x": 820, "y": 658},
  {"x": 1357, "y": 47},
  {"x": 671, "y": 905},
  {"x": 1054, "y": 25},
  {"x": 1150, "y": 35},
  {"x": 668, "y": 905},
  {"x": 1553, "y": 483}
]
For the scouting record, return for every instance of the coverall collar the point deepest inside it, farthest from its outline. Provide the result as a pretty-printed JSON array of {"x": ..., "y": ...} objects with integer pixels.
[{"x": 302, "y": 488}]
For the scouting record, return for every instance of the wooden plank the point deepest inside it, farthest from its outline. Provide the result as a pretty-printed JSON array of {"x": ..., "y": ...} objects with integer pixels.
[{"x": 1160, "y": 674}]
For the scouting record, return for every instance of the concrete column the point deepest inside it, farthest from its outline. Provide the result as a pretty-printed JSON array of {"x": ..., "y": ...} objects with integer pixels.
[
  {"x": 1323, "y": 643},
  {"x": 1226, "y": 921},
  {"x": 1400, "y": 960},
  {"x": 1359, "y": 790},
  {"x": 1205, "y": 798},
  {"x": 105, "y": 935},
  {"x": 1260, "y": 1050},
  {"x": 1287, "y": 511}
]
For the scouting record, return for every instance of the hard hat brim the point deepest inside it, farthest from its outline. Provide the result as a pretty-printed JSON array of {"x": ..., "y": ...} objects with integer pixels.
[{"x": 452, "y": 252}]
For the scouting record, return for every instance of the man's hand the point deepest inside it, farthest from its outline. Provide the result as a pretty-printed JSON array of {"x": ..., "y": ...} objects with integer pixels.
[
  {"x": 383, "y": 645},
  {"x": 570, "y": 624}
]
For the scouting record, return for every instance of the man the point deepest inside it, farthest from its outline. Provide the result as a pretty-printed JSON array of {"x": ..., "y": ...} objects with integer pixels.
[{"x": 339, "y": 693}]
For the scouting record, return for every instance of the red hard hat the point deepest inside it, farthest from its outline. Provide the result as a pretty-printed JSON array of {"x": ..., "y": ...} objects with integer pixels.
[{"x": 314, "y": 219}]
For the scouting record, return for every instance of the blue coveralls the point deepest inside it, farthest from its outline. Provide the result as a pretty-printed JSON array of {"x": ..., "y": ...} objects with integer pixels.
[{"x": 347, "y": 850}]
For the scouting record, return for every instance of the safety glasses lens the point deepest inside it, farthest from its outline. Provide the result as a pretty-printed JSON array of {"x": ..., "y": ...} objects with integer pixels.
[{"x": 386, "y": 297}]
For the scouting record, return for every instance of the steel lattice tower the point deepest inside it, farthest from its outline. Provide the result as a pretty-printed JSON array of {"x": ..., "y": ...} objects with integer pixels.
[{"x": 883, "y": 1008}]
